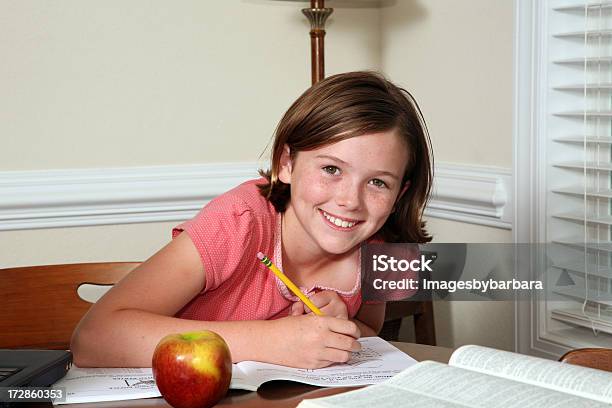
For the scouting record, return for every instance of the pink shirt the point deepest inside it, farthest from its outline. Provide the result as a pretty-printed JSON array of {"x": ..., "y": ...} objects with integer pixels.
[{"x": 228, "y": 232}]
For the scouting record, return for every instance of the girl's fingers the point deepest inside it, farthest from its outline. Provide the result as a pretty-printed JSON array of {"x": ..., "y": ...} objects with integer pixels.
[
  {"x": 322, "y": 299},
  {"x": 339, "y": 311},
  {"x": 335, "y": 355},
  {"x": 344, "y": 326},
  {"x": 342, "y": 342},
  {"x": 297, "y": 309},
  {"x": 330, "y": 304}
]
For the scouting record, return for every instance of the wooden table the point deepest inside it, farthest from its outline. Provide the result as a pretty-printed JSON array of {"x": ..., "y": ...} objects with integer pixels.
[{"x": 276, "y": 394}]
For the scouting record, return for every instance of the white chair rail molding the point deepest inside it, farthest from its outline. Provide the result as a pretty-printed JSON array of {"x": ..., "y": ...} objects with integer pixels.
[{"x": 81, "y": 197}]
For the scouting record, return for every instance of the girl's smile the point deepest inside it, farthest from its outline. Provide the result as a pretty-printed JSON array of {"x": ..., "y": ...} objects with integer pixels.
[
  {"x": 341, "y": 193},
  {"x": 339, "y": 223}
]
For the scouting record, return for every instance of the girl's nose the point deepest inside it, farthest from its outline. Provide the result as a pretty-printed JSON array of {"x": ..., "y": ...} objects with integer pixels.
[{"x": 349, "y": 196}]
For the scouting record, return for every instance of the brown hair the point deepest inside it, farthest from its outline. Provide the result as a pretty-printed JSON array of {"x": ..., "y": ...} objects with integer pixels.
[{"x": 354, "y": 104}]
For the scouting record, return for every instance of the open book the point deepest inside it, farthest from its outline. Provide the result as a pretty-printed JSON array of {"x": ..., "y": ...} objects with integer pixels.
[
  {"x": 482, "y": 377},
  {"x": 376, "y": 362}
]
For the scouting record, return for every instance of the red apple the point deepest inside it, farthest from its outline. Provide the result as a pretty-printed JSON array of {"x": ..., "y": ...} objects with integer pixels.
[{"x": 192, "y": 369}]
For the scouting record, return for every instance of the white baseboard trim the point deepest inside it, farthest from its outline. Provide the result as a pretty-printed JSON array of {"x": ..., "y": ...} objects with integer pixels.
[{"x": 86, "y": 197}]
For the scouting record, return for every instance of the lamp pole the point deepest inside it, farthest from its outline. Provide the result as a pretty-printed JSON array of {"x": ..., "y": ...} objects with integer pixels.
[{"x": 317, "y": 15}]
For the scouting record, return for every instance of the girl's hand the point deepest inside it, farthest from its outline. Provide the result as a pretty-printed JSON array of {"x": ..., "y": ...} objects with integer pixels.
[
  {"x": 311, "y": 341},
  {"x": 328, "y": 301}
]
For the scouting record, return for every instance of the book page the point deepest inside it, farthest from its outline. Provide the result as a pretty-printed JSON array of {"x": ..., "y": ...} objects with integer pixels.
[
  {"x": 241, "y": 381},
  {"x": 376, "y": 362},
  {"x": 576, "y": 380},
  {"x": 107, "y": 384},
  {"x": 378, "y": 396},
  {"x": 432, "y": 384}
]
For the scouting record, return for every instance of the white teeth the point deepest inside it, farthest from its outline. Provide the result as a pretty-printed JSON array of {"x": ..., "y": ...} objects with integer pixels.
[{"x": 338, "y": 222}]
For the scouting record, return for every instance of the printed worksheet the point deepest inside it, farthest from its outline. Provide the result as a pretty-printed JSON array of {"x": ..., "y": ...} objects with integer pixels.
[
  {"x": 107, "y": 384},
  {"x": 376, "y": 362}
]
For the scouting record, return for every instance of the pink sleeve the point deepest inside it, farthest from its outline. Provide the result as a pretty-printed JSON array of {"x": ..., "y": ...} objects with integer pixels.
[{"x": 222, "y": 232}]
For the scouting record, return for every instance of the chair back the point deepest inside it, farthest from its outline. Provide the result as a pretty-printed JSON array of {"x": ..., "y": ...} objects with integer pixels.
[{"x": 41, "y": 306}]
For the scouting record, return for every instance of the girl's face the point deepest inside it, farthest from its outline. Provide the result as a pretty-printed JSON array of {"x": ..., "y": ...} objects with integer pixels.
[{"x": 342, "y": 193}]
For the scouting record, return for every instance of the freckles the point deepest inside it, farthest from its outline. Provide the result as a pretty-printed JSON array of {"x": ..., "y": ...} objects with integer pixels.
[
  {"x": 311, "y": 179},
  {"x": 381, "y": 203},
  {"x": 320, "y": 181},
  {"x": 315, "y": 183},
  {"x": 321, "y": 188},
  {"x": 382, "y": 208},
  {"x": 316, "y": 187}
]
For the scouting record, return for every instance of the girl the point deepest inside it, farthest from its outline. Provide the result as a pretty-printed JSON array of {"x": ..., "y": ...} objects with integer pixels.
[{"x": 350, "y": 163}]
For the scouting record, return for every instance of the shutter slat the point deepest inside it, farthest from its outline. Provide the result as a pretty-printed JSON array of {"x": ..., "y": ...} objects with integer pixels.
[
  {"x": 577, "y": 242},
  {"x": 586, "y": 33},
  {"x": 581, "y": 6},
  {"x": 581, "y": 165},
  {"x": 590, "y": 295},
  {"x": 579, "y": 268},
  {"x": 598, "y": 321},
  {"x": 588, "y": 114},
  {"x": 581, "y": 140},
  {"x": 579, "y": 217},
  {"x": 581, "y": 61},
  {"x": 589, "y": 192},
  {"x": 602, "y": 86}
]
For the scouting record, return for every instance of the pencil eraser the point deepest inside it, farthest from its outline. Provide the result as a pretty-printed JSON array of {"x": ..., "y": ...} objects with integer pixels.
[{"x": 260, "y": 256}]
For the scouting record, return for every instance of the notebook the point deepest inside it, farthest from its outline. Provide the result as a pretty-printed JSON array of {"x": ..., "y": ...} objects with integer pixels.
[{"x": 33, "y": 368}]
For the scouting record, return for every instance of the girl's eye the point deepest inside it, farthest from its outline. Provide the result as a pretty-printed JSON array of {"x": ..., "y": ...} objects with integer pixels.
[
  {"x": 333, "y": 170},
  {"x": 378, "y": 183}
]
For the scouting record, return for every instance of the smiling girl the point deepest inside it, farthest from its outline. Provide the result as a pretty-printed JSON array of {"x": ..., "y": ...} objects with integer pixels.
[{"x": 350, "y": 164}]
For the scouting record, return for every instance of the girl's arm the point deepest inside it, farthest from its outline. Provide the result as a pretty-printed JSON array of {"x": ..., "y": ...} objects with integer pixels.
[{"x": 124, "y": 326}]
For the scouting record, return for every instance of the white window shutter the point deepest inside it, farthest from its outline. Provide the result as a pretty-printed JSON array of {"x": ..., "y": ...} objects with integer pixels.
[{"x": 578, "y": 217}]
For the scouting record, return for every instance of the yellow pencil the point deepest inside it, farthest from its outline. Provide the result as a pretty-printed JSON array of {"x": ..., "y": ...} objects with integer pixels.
[{"x": 264, "y": 259}]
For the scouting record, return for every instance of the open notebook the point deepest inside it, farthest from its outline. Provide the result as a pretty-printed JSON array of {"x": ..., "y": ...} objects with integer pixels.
[{"x": 376, "y": 362}]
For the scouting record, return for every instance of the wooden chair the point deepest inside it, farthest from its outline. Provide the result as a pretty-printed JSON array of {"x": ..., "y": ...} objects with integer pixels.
[
  {"x": 421, "y": 311},
  {"x": 600, "y": 358},
  {"x": 423, "y": 315},
  {"x": 40, "y": 304}
]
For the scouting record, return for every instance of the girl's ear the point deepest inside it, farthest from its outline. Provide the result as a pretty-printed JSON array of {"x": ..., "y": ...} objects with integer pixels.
[{"x": 284, "y": 166}]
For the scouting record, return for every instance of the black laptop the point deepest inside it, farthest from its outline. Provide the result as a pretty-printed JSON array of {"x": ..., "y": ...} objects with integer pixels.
[{"x": 33, "y": 368}]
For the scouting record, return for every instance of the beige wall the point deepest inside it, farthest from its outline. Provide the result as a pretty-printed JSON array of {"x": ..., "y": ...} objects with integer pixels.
[
  {"x": 489, "y": 323},
  {"x": 90, "y": 83},
  {"x": 126, "y": 242},
  {"x": 458, "y": 65},
  {"x": 456, "y": 58}
]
